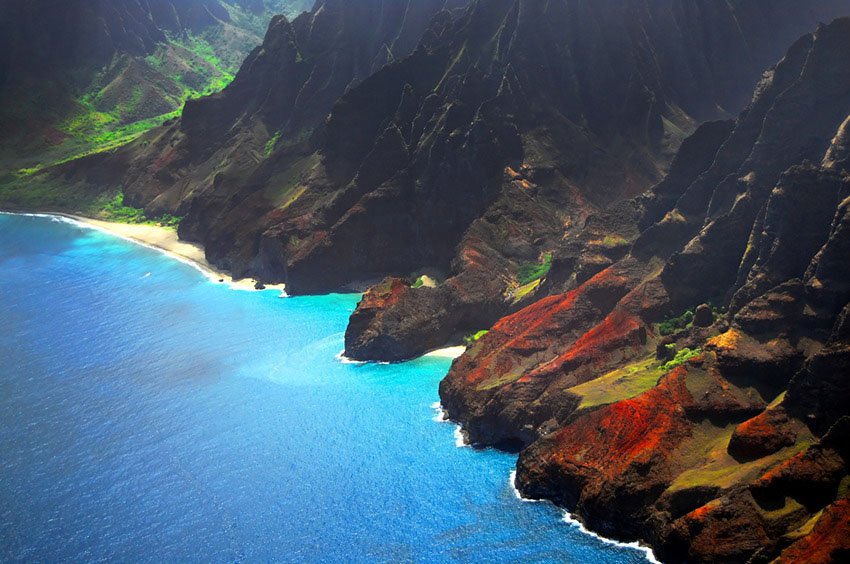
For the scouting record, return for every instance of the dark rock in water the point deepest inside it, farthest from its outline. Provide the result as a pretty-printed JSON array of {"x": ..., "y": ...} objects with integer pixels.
[
  {"x": 703, "y": 316},
  {"x": 416, "y": 323},
  {"x": 259, "y": 286}
]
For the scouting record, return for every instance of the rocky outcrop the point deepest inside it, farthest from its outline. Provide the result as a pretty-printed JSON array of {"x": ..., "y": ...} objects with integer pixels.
[
  {"x": 236, "y": 162},
  {"x": 828, "y": 539},
  {"x": 718, "y": 436}
]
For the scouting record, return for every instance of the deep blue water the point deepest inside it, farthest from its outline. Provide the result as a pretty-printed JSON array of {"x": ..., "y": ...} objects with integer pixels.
[{"x": 147, "y": 414}]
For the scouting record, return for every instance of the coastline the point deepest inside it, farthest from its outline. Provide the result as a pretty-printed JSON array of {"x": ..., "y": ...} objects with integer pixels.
[
  {"x": 572, "y": 521},
  {"x": 451, "y": 352},
  {"x": 164, "y": 240},
  {"x": 448, "y": 352}
]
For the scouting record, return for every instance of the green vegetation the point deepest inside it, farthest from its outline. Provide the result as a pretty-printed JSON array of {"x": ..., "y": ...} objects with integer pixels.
[
  {"x": 790, "y": 506},
  {"x": 204, "y": 62},
  {"x": 676, "y": 324},
  {"x": 116, "y": 210},
  {"x": 40, "y": 195},
  {"x": 469, "y": 340},
  {"x": 612, "y": 242},
  {"x": 530, "y": 272},
  {"x": 286, "y": 187},
  {"x": 424, "y": 281},
  {"x": 503, "y": 380},
  {"x": 708, "y": 462},
  {"x": 681, "y": 358},
  {"x": 685, "y": 321},
  {"x": 523, "y": 291},
  {"x": 621, "y": 384},
  {"x": 271, "y": 144},
  {"x": 807, "y": 527},
  {"x": 843, "y": 487},
  {"x": 117, "y": 106}
]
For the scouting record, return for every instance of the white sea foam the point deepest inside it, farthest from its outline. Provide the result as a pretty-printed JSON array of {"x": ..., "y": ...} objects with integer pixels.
[
  {"x": 517, "y": 493},
  {"x": 147, "y": 275},
  {"x": 439, "y": 413},
  {"x": 573, "y": 522},
  {"x": 460, "y": 438},
  {"x": 50, "y": 216},
  {"x": 440, "y": 416},
  {"x": 345, "y": 360}
]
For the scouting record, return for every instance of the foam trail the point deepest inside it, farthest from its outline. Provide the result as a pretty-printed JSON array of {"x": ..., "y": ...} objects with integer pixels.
[
  {"x": 573, "y": 522},
  {"x": 50, "y": 216},
  {"x": 441, "y": 417},
  {"x": 65, "y": 219},
  {"x": 460, "y": 438},
  {"x": 439, "y": 414},
  {"x": 345, "y": 360},
  {"x": 517, "y": 492}
]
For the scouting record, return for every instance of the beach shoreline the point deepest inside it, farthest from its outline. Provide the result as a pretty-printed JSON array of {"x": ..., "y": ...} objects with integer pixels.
[
  {"x": 448, "y": 352},
  {"x": 166, "y": 241},
  {"x": 162, "y": 239}
]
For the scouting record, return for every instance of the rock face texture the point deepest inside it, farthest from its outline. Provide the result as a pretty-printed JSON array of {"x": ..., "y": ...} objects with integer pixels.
[
  {"x": 236, "y": 163},
  {"x": 472, "y": 139},
  {"x": 540, "y": 114},
  {"x": 719, "y": 435}
]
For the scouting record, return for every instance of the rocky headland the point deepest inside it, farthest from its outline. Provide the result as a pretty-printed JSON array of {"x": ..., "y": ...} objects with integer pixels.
[
  {"x": 634, "y": 217},
  {"x": 694, "y": 393}
]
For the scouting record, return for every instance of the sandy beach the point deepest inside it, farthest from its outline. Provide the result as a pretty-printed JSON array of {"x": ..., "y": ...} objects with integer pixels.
[
  {"x": 166, "y": 240},
  {"x": 448, "y": 352}
]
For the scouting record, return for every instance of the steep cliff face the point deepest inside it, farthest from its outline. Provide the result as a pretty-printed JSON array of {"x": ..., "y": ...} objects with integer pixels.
[
  {"x": 673, "y": 365},
  {"x": 542, "y": 114},
  {"x": 86, "y": 75},
  {"x": 474, "y": 156},
  {"x": 235, "y": 159},
  {"x": 720, "y": 434}
]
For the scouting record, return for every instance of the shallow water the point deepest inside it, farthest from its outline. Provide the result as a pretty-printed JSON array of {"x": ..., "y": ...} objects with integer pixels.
[{"x": 147, "y": 414}]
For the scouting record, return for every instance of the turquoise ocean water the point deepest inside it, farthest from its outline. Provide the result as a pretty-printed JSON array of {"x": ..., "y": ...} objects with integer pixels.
[{"x": 149, "y": 415}]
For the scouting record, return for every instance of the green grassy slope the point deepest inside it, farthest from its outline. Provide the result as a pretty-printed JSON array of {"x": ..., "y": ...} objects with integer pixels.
[{"x": 49, "y": 122}]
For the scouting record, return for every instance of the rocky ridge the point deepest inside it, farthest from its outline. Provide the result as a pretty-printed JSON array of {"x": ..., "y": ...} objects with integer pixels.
[
  {"x": 528, "y": 150},
  {"x": 718, "y": 435}
]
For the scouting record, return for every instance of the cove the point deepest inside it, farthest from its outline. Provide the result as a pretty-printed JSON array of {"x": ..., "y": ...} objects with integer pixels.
[{"x": 148, "y": 414}]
